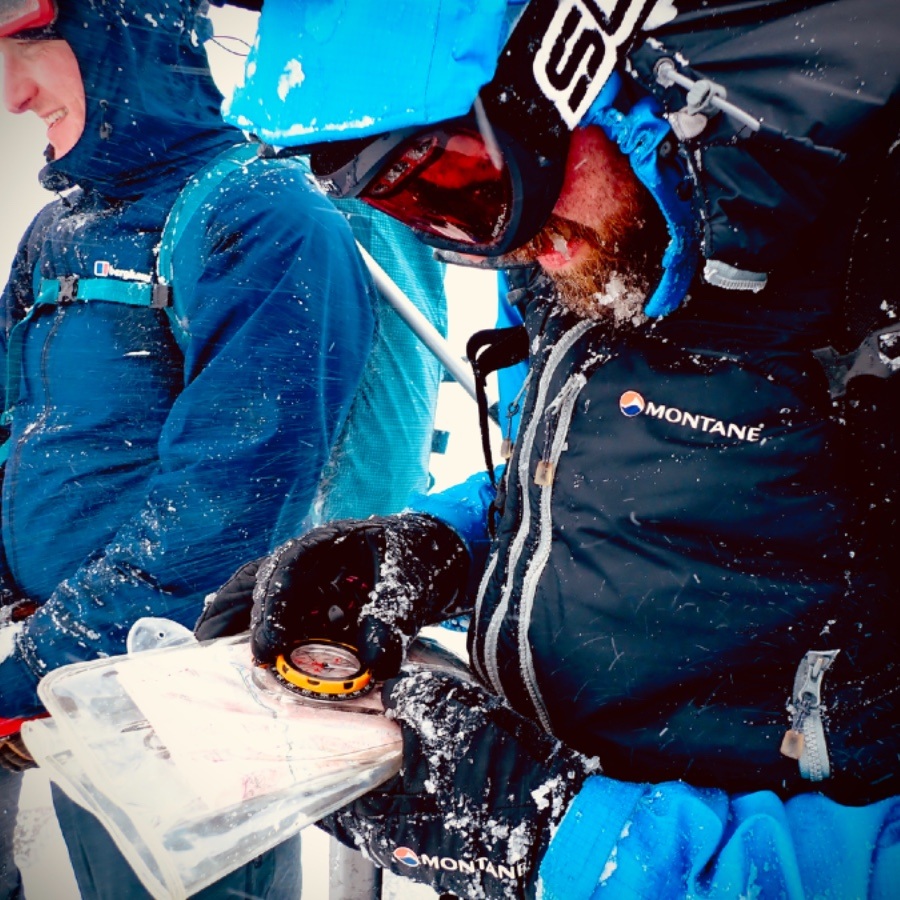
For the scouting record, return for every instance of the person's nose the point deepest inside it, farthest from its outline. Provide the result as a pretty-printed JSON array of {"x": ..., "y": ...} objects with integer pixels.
[{"x": 19, "y": 88}]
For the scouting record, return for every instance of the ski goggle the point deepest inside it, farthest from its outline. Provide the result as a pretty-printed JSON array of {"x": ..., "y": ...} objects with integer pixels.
[
  {"x": 486, "y": 183},
  {"x": 25, "y": 15},
  {"x": 461, "y": 185}
]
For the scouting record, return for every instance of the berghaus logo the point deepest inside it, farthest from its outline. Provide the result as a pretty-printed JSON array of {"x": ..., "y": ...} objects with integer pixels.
[
  {"x": 105, "y": 269},
  {"x": 632, "y": 404},
  {"x": 413, "y": 860}
]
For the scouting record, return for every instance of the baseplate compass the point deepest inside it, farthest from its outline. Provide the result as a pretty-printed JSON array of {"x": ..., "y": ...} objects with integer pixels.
[{"x": 324, "y": 670}]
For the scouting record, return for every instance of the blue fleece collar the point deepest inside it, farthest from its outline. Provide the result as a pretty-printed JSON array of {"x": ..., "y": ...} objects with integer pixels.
[{"x": 639, "y": 132}]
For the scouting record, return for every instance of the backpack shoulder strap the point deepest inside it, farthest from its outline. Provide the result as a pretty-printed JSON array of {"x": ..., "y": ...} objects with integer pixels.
[
  {"x": 188, "y": 203},
  {"x": 150, "y": 290},
  {"x": 153, "y": 290}
]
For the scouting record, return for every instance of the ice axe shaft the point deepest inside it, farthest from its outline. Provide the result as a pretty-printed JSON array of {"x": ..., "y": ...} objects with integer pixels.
[{"x": 421, "y": 327}]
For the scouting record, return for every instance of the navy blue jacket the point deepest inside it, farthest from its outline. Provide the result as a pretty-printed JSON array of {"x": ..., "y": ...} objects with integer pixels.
[
  {"x": 144, "y": 467},
  {"x": 714, "y": 510}
]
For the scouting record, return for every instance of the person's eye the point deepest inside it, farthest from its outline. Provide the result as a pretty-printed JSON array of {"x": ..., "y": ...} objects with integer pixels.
[{"x": 30, "y": 49}]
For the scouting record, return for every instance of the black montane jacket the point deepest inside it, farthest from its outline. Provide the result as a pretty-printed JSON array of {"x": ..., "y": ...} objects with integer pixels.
[{"x": 694, "y": 507}]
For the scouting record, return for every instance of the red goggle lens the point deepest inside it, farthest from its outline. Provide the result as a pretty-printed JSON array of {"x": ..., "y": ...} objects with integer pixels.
[
  {"x": 450, "y": 186},
  {"x": 21, "y": 15}
]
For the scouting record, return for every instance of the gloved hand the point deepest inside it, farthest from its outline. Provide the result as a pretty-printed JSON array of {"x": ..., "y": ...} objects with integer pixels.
[
  {"x": 15, "y": 610},
  {"x": 479, "y": 793},
  {"x": 228, "y": 610},
  {"x": 372, "y": 583},
  {"x": 14, "y": 755}
]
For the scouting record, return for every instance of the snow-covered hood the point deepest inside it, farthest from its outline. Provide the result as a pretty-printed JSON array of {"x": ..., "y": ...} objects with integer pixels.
[{"x": 151, "y": 100}]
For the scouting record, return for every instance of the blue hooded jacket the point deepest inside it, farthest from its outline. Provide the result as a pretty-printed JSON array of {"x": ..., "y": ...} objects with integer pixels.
[{"x": 146, "y": 467}]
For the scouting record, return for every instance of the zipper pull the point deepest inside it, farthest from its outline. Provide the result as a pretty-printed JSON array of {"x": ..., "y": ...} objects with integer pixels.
[
  {"x": 805, "y": 739},
  {"x": 543, "y": 474},
  {"x": 512, "y": 410},
  {"x": 792, "y": 743},
  {"x": 506, "y": 447}
]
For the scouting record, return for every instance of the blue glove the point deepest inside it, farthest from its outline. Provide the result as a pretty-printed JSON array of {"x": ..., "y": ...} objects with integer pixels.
[{"x": 479, "y": 793}]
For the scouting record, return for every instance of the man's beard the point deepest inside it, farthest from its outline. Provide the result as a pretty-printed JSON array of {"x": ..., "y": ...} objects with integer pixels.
[{"x": 622, "y": 266}]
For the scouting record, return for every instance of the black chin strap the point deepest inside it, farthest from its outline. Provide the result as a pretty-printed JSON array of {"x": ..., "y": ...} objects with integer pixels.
[{"x": 488, "y": 351}]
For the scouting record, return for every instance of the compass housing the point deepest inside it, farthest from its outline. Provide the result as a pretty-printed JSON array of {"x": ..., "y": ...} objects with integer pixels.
[{"x": 324, "y": 670}]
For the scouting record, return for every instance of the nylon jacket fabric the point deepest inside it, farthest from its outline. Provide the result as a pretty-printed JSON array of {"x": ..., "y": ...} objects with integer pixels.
[
  {"x": 383, "y": 452},
  {"x": 821, "y": 79},
  {"x": 652, "y": 604},
  {"x": 712, "y": 512},
  {"x": 673, "y": 841},
  {"x": 143, "y": 472}
]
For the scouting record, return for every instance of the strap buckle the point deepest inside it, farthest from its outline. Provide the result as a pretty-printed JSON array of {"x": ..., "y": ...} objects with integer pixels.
[
  {"x": 160, "y": 295},
  {"x": 68, "y": 289}
]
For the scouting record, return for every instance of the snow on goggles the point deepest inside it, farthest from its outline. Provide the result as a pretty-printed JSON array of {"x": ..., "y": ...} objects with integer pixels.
[
  {"x": 25, "y": 15},
  {"x": 461, "y": 185}
]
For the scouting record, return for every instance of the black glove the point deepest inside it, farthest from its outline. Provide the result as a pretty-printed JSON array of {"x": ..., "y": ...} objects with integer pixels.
[
  {"x": 228, "y": 610},
  {"x": 14, "y": 755},
  {"x": 479, "y": 793},
  {"x": 372, "y": 583}
]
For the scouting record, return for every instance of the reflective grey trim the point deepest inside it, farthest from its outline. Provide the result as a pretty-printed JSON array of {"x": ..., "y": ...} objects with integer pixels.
[
  {"x": 477, "y": 647},
  {"x": 566, "y": 400},
  {"x": 492, "y": 635}
]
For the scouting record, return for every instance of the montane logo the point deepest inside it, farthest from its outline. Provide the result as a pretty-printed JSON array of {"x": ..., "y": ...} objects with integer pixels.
[
  {"x": 407, "y": 857},
  {"x": 465, "y": 866},
  {"x": 581, "y": 48},
  {"x": 631, "y": 403}
]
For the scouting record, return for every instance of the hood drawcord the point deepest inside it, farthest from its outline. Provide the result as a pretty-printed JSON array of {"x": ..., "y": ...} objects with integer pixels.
[{"x": 106, "y": 129}]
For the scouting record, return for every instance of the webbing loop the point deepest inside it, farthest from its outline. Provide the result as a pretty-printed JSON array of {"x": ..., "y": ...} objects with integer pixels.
[{"x": 72, "y": 289}]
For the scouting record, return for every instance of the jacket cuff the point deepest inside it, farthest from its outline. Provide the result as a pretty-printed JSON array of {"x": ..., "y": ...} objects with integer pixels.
[
  {"x": 464, "y": 508},
  {"x": 580, "y": 855}
]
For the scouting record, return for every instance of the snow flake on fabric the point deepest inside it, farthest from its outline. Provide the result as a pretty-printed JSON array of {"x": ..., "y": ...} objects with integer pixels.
[{"x": 292, "y": 78}]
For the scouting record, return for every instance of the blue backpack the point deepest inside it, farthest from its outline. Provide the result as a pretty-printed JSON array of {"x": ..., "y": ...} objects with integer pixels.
[{"x": 391, "y": 419}]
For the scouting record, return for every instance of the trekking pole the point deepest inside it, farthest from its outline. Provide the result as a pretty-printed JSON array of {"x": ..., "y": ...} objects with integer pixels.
[{"x": 421, "y": 327}]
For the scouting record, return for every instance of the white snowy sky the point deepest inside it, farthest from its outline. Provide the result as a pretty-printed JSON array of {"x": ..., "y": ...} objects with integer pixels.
[{"x": 471, "y": 293}]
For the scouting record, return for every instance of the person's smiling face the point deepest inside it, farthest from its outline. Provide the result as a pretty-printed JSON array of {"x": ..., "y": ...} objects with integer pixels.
[{"x": 43, "y": 77}]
